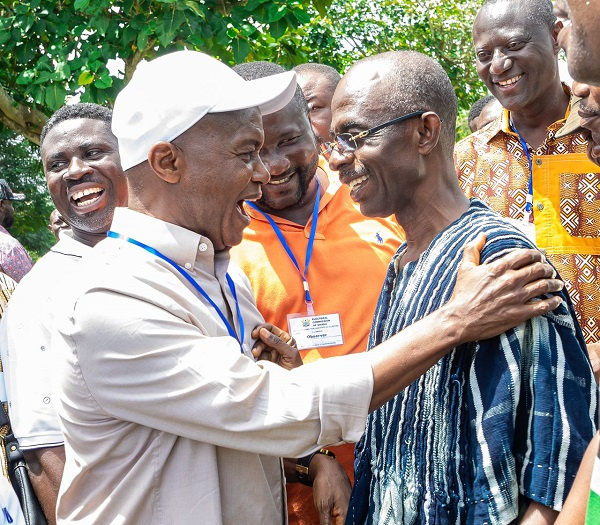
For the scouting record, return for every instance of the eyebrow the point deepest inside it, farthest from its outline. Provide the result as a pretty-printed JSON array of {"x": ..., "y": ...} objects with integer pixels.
[
  {"x": 83, "y": 146},
  {"x": 351, "y": 123}
]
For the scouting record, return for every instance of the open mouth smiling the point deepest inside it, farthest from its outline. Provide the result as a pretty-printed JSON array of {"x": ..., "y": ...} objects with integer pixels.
[
  {"x": 355, "y": 182},
  {"x": 87, "y": 196},
  {"x": 283, "y": 180},
  {"x": 509, "y": 81}
]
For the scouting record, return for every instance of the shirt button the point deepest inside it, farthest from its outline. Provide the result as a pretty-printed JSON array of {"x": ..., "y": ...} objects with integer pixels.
[
  {"x": 538, "y": 162},
  {"x": 202, "y": 247},
  {"x": 540, "y": 206},
  {"x": 188, "y": 266}
]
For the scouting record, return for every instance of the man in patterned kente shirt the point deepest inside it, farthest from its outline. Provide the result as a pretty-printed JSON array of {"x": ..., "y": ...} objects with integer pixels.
[
  {"x": 496, "y": 429},
  {"x": 518, "y": 165}
]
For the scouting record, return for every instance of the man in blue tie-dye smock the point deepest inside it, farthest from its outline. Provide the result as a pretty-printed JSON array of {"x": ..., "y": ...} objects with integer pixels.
[{"x": 494, "y": 432}]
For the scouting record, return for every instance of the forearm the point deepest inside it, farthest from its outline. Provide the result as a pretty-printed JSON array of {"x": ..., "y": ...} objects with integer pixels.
[
  {"x": 574, "y": 509},
  {"x": 398, "y": 361},
  {"x": 538, "y": 514},
  {"x": 45, "y": 468}
]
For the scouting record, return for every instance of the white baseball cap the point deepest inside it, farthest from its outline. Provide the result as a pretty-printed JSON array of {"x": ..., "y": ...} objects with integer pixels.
[{"x": 168, "y": 95}]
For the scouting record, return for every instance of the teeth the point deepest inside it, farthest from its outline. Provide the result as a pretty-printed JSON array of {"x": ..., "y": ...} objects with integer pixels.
[
  {"x": 88, "y": 202},
  {"x": 510, "y": 81},
  {"x": 357, "y": 181},
  {"x": 84, "y": 193},
  {"x": 280, "y": 181}
]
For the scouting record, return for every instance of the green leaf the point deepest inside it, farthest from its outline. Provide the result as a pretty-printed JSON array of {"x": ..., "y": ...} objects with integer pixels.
[
  {"x": 43, "y": 77},
  {"x": 85, "y": 78},
  {"x": 240, "y": 49},
  {"x": 55, "y": 96},
  {"x": 195, "y": 8},
  {"x": 103, "y": 82},
  {"x": 142, "y": 40},
  {"x": 168, "y": 26},
  {"x": 26, "y": 77},
  {"x": 276, "y": 12},
  {"x": 62, "y": 71},
  {"x": 4, "y": 37},
  {"x": 302, "y": 16},
  {"x": 277, "y": 29},
  {"x": 101, "y": 23},
  {"x": 81, "y": 5}
]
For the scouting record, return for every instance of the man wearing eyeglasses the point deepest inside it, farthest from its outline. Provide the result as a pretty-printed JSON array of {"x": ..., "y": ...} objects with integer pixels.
[
  {"x": 495, "y": 430},
  {"x": 307, "y": 218}
]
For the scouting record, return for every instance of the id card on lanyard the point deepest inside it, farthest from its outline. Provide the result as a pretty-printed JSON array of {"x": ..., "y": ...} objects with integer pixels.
[{"x": 309, "y": 330}]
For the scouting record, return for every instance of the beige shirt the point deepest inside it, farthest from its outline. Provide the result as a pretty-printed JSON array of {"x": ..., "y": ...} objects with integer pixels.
[{"x": 165, "y": 420}]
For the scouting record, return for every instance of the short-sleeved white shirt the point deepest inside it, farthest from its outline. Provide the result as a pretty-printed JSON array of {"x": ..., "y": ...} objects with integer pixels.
[{"x": 25, "y": 346}]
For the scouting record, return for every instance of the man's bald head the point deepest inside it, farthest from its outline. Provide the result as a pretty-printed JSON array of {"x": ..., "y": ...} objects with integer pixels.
[
  {"x": 535, "y": 12},
  {"x": 400, "y": 82}
]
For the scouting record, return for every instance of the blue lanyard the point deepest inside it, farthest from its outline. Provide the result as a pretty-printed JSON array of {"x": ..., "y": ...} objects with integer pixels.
[
  {"x": 200, "y": 290},
  {"x": 309, "y": 248},
  {"x": 529, "y": 201}
]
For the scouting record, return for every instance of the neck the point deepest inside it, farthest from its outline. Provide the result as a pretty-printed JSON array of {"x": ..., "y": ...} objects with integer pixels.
[
  {"x": 300, "y": 212},
  {"x": 87, "y": 238},
  {"x": 532, "y": 121},
  {"x": 429, "y": 213}
]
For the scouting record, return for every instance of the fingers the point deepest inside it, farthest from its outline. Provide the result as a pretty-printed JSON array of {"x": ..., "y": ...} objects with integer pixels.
[
  {"x": 268, "y": 326},
  {"x": 542, "y": 287},
  {"x": 518, "y": 259},
  {"x": 534, "y": 309},
  {"x": 472, "y": 252}
]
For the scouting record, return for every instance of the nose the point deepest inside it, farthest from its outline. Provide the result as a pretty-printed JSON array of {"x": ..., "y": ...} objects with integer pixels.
[
  {"x": 338, "y": 159},
  {"x": 500, "y": 63},
  {"x": 77, "y": 168},
  {"x": 275, "y": 162},
  {"x": 580, "y": 90},
  {"x": 261, "y": 173}
]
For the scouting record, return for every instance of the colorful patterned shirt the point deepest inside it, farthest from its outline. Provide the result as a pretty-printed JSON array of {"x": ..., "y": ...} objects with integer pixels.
[
  {"x": 493, "y": 167},
  {"x": 492, "y": 421},
  {"x": 14, "y": 259}
]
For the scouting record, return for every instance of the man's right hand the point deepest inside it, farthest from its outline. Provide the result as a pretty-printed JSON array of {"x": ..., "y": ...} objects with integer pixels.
[{"x": 491, "y": 298}]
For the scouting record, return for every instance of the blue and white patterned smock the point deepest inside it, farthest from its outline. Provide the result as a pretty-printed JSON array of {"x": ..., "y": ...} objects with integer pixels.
[{"x": 489, "y": 423}]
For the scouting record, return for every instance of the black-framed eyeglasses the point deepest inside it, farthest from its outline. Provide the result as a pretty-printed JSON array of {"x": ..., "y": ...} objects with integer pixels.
[{"x": 345, "y": 143}]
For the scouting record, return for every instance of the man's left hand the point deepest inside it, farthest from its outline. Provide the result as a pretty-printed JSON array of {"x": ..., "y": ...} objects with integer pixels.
[
  {"x": 275, "y": 345},
  {"x": 331, "y": 489}
]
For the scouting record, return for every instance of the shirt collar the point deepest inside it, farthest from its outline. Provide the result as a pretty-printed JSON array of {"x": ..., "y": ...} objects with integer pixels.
[
  {"x": 502, "y": 123},
  {"x": 179, "y": 244}
]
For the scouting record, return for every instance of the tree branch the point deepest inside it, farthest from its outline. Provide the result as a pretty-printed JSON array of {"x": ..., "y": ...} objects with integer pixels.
[{"x": 25, "y": 120}]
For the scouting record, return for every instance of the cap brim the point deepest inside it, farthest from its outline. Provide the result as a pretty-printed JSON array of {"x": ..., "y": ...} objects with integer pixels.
[
  {"x": 269, "y": 94},
  {"x": 573, "y": 122},
  {"x": 18, "y": 197}
]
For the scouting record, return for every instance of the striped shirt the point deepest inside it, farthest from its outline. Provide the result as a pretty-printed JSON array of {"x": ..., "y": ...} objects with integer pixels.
[{"x": 490, "y": 422}]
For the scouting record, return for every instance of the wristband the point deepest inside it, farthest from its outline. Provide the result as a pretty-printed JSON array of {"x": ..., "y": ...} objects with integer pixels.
[{"x": 302, "y": 465}]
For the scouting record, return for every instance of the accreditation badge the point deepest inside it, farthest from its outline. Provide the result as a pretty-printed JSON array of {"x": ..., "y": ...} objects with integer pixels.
[{"x": 315, "y": 331}]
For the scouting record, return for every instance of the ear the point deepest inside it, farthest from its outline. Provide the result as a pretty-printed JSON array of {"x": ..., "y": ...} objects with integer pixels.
[
  {"x": 167, "y": 161},
  {"x": 556, "y": 28},
  {"x": 430, "y": 125}
]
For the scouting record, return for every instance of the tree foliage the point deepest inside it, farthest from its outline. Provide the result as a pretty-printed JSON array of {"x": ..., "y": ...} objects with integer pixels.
[
  {"x": 438, "y": 28},
  {"x": 53, "y": 50},
  {"x": 21, "y": 167}
]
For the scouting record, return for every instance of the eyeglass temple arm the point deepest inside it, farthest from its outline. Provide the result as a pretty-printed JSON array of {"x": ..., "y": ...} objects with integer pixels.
[{"x": 389, "y": 123}]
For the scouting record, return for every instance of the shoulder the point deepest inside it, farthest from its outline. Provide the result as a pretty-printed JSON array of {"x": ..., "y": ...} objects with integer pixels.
[{"x": 501, "y": 236}]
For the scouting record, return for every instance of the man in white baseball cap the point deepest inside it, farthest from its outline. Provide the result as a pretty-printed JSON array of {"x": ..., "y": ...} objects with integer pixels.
[{"x": 166, "y": 414}]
